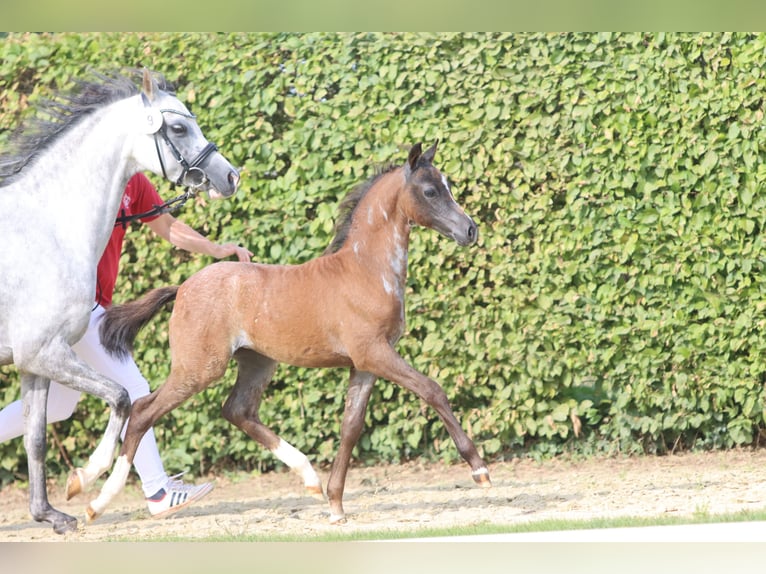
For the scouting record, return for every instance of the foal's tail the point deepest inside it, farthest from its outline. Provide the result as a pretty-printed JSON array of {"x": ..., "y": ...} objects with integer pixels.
[{"x": 121, "y": 323}]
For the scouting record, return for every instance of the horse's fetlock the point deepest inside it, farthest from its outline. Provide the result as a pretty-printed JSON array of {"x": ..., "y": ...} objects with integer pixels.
[{"x": 338, "y": 519}]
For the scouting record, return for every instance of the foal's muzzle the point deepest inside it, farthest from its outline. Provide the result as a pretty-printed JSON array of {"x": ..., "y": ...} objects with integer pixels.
[{"x": 468, "y": 235}]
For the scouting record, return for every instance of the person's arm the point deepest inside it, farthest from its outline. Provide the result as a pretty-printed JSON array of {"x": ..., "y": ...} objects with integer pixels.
[{"x": 184, "y": 237}]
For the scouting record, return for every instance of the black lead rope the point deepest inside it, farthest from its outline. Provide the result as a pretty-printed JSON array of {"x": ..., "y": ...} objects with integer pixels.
[{"x": 167, "y": 207}]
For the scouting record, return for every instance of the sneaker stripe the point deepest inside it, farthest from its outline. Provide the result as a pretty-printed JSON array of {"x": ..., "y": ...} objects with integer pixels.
[{"x": 176, "y": 496}]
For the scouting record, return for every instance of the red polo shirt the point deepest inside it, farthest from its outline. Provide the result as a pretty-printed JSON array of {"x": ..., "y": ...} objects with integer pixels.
[{"x": 140, "y": 196}]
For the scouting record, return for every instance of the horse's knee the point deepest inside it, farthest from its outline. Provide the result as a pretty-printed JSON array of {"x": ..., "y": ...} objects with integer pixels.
[{"x": 435, "y": 396}]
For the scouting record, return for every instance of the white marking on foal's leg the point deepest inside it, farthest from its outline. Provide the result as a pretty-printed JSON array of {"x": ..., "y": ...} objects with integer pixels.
[
  {"x": 112, "y": 487},
  {"x": 98, "y": 464},
  {"x": 298, "y": 461},
  {"x": 337, "y": 518},
  {"x": 481, "y": 477}
]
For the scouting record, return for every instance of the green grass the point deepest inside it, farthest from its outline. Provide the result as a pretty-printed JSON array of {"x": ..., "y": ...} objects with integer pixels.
[{"x": 549, "y": 525}]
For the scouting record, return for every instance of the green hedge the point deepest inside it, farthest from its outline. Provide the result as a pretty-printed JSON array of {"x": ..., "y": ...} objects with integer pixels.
[{"x": 615, "y": 300}]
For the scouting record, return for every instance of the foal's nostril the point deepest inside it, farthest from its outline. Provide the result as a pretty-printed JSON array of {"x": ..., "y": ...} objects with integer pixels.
[
  {"x": 233, "y": 178},
  {"x": 472, "y": 232}
]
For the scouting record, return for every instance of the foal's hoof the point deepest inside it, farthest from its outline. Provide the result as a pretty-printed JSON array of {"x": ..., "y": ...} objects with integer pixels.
[
  {"x": 315, "y": 491},
  {"x": 481, "y": 477},
  {"x": 91, "y": 513},
  {"x": 73, "y": 484},
  {"x": 338, "y": 518}
]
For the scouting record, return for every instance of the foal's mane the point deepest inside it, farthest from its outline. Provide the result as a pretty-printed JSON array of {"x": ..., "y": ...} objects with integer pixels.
[
  {"x": 63, "y": 110},
  {"x": 347, "y": 208}
]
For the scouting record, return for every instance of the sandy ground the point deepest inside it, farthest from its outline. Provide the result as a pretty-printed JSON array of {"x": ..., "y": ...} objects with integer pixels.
[{"x": 414, "y": 496}]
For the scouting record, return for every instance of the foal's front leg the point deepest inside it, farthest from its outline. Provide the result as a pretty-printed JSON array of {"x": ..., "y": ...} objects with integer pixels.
[
  {"x": 360, "y": 388},
  {"x": 386, "y": 363}
]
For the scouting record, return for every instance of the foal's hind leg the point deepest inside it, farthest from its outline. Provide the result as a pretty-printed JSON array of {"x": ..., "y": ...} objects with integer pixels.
[
  {"x": 180, "y": 385},
  {"x": 360, "y": 388},
  {"x": 241, "y": 409},
  {"x": 34, "y": 391}
]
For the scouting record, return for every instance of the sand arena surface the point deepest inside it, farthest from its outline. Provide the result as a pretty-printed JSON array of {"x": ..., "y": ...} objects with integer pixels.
[{"x": 416, "y": 495}]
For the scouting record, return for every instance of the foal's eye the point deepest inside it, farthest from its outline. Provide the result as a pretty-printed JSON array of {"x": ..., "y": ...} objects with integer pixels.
[{"x": 430, "y": 192}]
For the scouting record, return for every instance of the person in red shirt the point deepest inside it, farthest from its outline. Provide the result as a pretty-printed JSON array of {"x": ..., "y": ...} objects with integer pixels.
[{"x": 165, "y": 494}]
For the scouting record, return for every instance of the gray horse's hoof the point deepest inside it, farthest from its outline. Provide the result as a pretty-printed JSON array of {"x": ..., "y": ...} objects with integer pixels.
[{"x": 65, "y": 524}]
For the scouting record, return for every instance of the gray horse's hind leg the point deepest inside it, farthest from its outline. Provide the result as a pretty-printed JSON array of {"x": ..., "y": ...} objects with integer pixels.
[{"x": 34, "y": 392}]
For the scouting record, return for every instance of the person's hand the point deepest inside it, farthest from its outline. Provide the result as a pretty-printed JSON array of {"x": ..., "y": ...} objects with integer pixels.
[{"x": 228, "y": 249}]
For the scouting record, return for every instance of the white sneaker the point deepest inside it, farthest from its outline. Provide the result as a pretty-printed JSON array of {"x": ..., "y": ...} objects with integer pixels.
[{"x": 175, "y": 496}]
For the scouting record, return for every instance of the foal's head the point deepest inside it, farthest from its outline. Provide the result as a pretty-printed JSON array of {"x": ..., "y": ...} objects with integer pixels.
[{"x": 428, "y": 200}]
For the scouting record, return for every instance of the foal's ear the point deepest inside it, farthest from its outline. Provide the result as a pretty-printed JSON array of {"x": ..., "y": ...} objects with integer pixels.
[
  {"x": 416, "y": 158},
  {"x": 412, "y": 159},
  {"x": 429, "y": 154}
]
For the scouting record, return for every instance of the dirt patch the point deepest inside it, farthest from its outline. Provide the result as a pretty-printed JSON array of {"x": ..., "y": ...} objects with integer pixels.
[{"x": 413, "y": 496}]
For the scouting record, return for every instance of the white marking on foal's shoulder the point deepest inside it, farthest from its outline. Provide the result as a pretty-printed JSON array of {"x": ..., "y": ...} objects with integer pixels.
[
  {"x": 398, "y": 259},
  {"x": 387, "y": 287}
]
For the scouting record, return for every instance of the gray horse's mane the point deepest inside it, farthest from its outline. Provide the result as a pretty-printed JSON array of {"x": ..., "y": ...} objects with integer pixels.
[
  {"x": 347, "y": 208},
  {"x": 57, "y": 114}
]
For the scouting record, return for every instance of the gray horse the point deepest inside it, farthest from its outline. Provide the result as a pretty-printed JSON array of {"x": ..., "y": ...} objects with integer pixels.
[{"x": 60, "y": 191}]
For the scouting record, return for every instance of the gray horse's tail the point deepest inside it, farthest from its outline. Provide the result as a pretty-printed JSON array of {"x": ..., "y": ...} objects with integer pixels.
[{"x": 121, "y": 323}]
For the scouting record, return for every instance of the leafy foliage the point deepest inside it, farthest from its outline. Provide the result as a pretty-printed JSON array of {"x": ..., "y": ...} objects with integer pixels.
[{"x": 615, "y": 300}]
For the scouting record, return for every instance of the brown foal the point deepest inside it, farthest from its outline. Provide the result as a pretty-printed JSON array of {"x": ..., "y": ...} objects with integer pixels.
[{"x": 343, "y": 309}]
